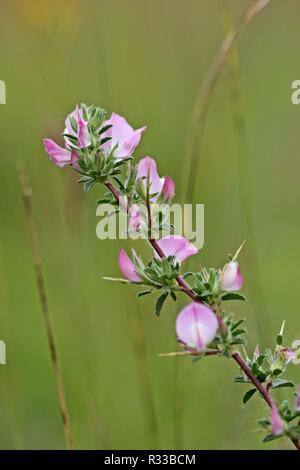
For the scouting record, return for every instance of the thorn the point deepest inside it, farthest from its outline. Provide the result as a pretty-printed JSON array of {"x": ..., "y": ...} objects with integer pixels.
[
  {"x": 238, "y": 251},
  {"x": 282, "y": 328}
]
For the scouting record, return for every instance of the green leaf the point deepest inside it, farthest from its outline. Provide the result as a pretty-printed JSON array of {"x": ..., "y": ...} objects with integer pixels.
[
  {"x": 248, "y": 395},
  {"x": 237, "y": 341},
  {"x": 187, "y": 274},
  {"x": 279, "y": 340},
  {"x": 104, "y": 129},
  {"x": 236, "y": 324},
  {"x": 264, "y": 423},
  {"x": 240, "y": 331},
  {"x": 173, "y": 295},
  {"x": 270, "y": 437},
  {"x": 160, "y": 302},
  {"x": 280, "y": 383},
  {"x": 276, "y": 372},
  {"x": 87, "y": 185},
  {"x": 239, "y": 379},
  {"x": 196, "y": 359},
  {"x": 144, "y": 292},
  {"x": 105, "y": 139},
  {"x": 233, "y": 296},
  {"x": 260, "y": 360},
  {"x": 294, "y": 432}
]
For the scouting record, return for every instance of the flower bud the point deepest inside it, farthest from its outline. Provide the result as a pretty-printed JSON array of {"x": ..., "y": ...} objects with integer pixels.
[
  {"x": 196, "y": 326},
  {"x": 168, "y": 189},
  {"x": 231, "y": 277},
  {"x": 297, "y": 403},
  {"x": 276, "y": 422}
]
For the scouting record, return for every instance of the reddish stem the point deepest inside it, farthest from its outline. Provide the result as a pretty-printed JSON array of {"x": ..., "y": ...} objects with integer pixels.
[{"x": 189, "y": 291}]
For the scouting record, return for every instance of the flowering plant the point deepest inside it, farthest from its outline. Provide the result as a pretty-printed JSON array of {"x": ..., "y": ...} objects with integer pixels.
[{"x": 100, "y": 150}]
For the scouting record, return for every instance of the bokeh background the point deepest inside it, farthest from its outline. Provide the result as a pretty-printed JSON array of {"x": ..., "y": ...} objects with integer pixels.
[{"x": 145, "y": 60}]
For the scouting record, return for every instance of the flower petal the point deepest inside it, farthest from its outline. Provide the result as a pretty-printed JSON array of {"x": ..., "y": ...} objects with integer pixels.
[
  {"x": 83, "y": 133},
  {"x": 134, "y": 217},
  {"x": 175, "y": 245},
  {"x": 122, "y": 135},
  {"x": 127, "y": 267},
  {"x": 276, "y": 421},
  {"x": 59, "y": 156},
  {"x": 196, "y": 326},
  {"x": 168, "y": 189},
  {"x": 231, "y": 277},
  {"x": 147, "y": 169}
]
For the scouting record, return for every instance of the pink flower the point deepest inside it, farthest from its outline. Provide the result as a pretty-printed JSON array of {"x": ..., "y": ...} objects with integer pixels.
[
  {"x": 276, "y": 422},
  {"x": 58, "y": 155},
  {"x": 147, "y": 171},
  {"x": 196, "y": 326},
  {"x": 175, "y": 245},
  {"x": 168, "y": 189},
  {"x": 127, "y": 267},
  {"x": 297, "y": 404},
  {"x": 124, "y": 139},
  {"x": 134, "y": 216},
  {"x": 81, "y": 133},
  {"x": 231, "y": 277}
]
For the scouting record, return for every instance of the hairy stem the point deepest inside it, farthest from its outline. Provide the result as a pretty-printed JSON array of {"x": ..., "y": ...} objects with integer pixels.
[
  {"x": 259, "y": 386},
  {"x": 27, "y": 199},
  {"x": 189, "y": 291}
]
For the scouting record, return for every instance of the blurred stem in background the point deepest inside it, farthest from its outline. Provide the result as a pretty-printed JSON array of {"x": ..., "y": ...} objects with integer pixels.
[
  {"x": 139, "y": 347},
  {"x": 193, "y": 152},
  {"x": 202, "y": 101},
  {"x": 27, "y": 199},
  {"x": 245, "y": 177}
]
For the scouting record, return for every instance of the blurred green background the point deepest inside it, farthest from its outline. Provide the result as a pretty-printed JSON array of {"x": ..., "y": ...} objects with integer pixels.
[{"x": 144, "y": 59}]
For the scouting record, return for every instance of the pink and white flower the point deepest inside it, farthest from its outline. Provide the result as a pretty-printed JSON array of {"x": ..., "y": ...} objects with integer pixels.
[
  {"x": 231, "y": 277},
  {"x": 177, "y": 246},
  {"x": 127, "y": 267},
  {"x": 68, "y": 156},
  {"x": 58, "y": 155},
  {"x": 123, "y": 138},
  {"x": 147, "y": 172},
  {"x": 196, "y": 326},
  {"x": 80, "y": 132}
]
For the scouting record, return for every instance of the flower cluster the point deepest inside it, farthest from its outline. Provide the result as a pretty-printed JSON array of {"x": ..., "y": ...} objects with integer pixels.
[{"x": 97, "y": 148}]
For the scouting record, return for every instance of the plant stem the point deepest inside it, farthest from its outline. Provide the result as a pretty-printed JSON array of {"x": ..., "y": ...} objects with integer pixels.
[
  {"x": 189, "y": 291},
  {"x": 259, "y": 386},
  {"x": 252, "y": 377},
  {"x": 200, "y": 108},
  {"x": 27, "y": 200}
]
